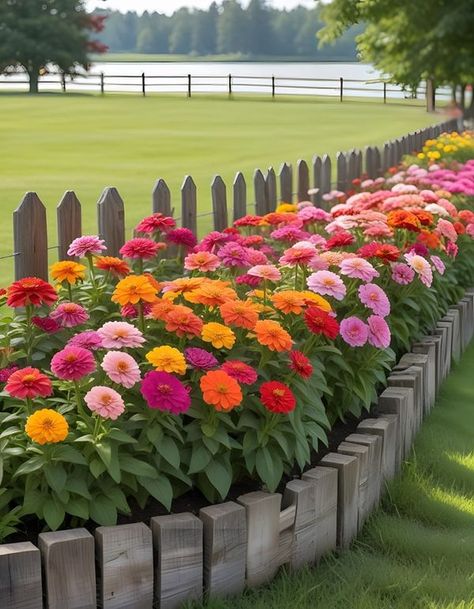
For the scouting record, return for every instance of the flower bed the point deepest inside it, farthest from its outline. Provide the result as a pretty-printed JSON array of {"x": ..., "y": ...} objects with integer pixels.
[{"x": 145, "y": 376}]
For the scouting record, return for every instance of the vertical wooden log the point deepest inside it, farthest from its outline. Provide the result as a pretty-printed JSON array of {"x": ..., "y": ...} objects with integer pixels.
[
  {"x": 378, "y": 162},
  {"x": 20, "y": 576},
  {"x": 386, "y": 157},
  {"x": 370, "y": 162},
  {"x": 341, "y": 162},
  {"x": 189, "y": 204},
  {"x": 411, "y": 377},
  {"x": 362, "y": 454},
  {"x": 161, "y": 198},
  {"x": 286, "y": 183},
  {"x": 111, "y": 220},
  {"x": 452, "y": 316},
  {"x": 125, "y": 559},
  {"x": 348, "y": 495},
  {"x": 399, "y": 401},
  {"x": 359, "y": 163},
  {"x": 240, "y": 196},
  {"x": 179, "y": 559},
  {"x": 69, "y": 219},
  {"x": 419, "y": 360},
  {"x": 263, "y": 533},
  {"x": 219, "y": 203},
  {"x": 326, "y": 174},
  {"x": 303, "y": 180},
  {"x": 271, "y": 190},
  {"x": 386, "y": 428},
  {"x": 69, "y": 569},
  {"x": 225, "y": 549},
  {"x": 30, "y": 239},
  {"x": 352, "y": 173},
  {"x": 260, "y": 196},
  {"x": 374, "y": 444},
  {"x": 316, "y": 198}
]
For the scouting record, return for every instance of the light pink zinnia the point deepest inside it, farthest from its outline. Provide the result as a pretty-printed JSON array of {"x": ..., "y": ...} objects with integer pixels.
[
  {"x": 438, "y": 264},
  {"x": 105, "y": 401},
  {"x": 118, "y": 334},
  {"x": 358, "y": 268},
  {"x": 421, "y": 266},
  {"x": 69, "y": 314},
  {"x": 202, "y": 261},
  {"x": 327, "y": 283},
  {"x": 88, "y": 244},
  {"x": 354, "y": 331},
  {"x": 379, "y": 332},
  {"x": 402, "y": 273},
  {"x": 373, "y": 297},
  {"x": 89, "y": 339},
  {"x": 121, "y": 368},
  {"x": 72, "y": 363},
  {"x": 447, "y": 230},
  {"x": 265, "y": 271}
]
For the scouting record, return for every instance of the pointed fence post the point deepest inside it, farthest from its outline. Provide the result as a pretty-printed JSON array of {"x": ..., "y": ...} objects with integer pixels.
[
  {"x": 316, "y": 198},
  {"x": 111, "y": 220},
  {"x": 260, "y": 197},
  {"x": 219, "y": 203},
  {"x": 240, "y": 196},
  {"x": 30, "y": 238},
  {"x": 189, "y": 204},
  {"x": 286, "y": 183},
  {"x": 271, "y": 190},
  {"x": 303, "y": 180},
  {"x": 341, "y": 171},
  {"x": 161, "y": 198},
  {"x": 69, "y": 223}
]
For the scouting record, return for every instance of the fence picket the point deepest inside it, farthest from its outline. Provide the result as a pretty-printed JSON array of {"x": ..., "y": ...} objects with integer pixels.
[
  {"x": 111, "y": 220},
  {"x": 286, "y": 183},
  {"x": 30, "y": 238},
  {"x": 69, "y": 220},
  {"x": 20, "y": 576},
  {"x": 219, "y": 203},
  {"x": 161, "y": 198},
  {"x": 351, "y": 159},
  {"x": 260, "y": 196},
  {"x": 378, "y": 162},
  {"x": 303, "y": 180},
  {"x": 341, "y": 163},
  {"x": 326, "y": 174},
  {"x": 370, "y": 162},
  {"x": 189, "y": 204},
  {"x": 271, "y": 189},
  {"x": 316, "y": 197},
  {"x": 240, "y": 196}
]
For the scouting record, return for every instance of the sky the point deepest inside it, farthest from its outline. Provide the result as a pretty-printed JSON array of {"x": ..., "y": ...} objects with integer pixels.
[{"x": 169, "y": 6}]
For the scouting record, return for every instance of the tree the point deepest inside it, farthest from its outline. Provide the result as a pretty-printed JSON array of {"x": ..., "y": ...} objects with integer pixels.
[
  {"x": 232, "y": 28},
  {"x": 260, "y": 35},
  {"x": 181, "y": 31},
  {"x": 35, "y": 34},
  {"x": 204, "y": 31},
  {"x": 411, "y": 41}
]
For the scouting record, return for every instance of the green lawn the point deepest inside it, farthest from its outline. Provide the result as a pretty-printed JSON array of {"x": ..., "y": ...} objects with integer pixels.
[
  {"x": 52, "y": 143},
  {"x": 417, "y": 551}
]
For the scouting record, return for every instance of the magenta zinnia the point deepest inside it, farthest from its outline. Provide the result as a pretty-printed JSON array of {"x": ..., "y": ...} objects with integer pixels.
[
  {"x": 72, "y": 363},
  {"x": 165, "y": 392}
]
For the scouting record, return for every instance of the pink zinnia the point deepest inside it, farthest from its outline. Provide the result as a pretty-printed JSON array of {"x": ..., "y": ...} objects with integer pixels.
[
  {"x": 327, "y": 283},
  {"x": 265, "y": 271},
  {"x": 452, "y": 249},
  {"x": 72, "y": 363},
  {"x": 118, "y": 334},
  {"x": 165, "y": 392},
  {"x": 241, "y": 372},
  {"x": 438, "y": 264},
  {"x": 156, "y": 222},
  {"x": 69, "y": 315},
  {"x": 249, "y": 280},
  {"x": 89, "y": 339},
  {"x": 232, "y": 254},
  {"x": 86, "y": 245},
  {"x": 213, "y": 240},
  {"x": 373, "y": 297},
  {"x": 182, "y": 236},
  {"x": 28, "y": 383},
  {"x": 379, "y": 332},
  {"x": 358, "y": 268},
  {"x": 255, "y": 257},
  {"x": 354, "y": 331},
  {"x": 290, "y": 233},
  {"x": 105, "y": 401},
  {"x": 141, "y": 248},
  {"x": 447, "y": 230},
  {"x": 422, "y": 268},
  {"x": 201, "y": 261},
  {"x": 121, "y": 368},
  {"x": 5, "y": 373},
  {"x": 402, "y": 273},
  {"x": 299, "y": 255},
  {"x": 47, "y": 324}
]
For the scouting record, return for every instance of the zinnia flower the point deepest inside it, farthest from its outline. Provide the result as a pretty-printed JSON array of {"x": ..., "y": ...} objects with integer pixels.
[
  {"x": 182, "y": 236},
  {"x": 277, "y": 397},
  {"x": 358, "y": 268},
  {"x": 239, "y": 313},
  {"x": 47, "y": 324},
  {"x": 326, "y": 282},
  {"x": 155, "y": 223},
  {"x": 272, "y": 335},
  {"x": 134, "y": 289},
  {"x": 379, "y": 332},
  {"x": 140, "y": 248},
  {"x": 31, "y": 291},
  {"x": 69, "y": 314},
  {"x": 402, "y": 273},
  {"x": 240, "y": 371},
  {"x": 5, "y": 373},
  {"x": 354, "y": 331},
  {"x": 86, "y": 245},
  {"x": 183, "y": 322},
  {"x": 375, "y": 299},
  {"x": 201, "y": 261},
  {"x": 320, "y": 322},
  {"x": 72, "y": 363},
  {"x": 167, "y": 359},
  {"x": 113, "y": 265},
  {"x": 121, "y": 368},
  {"x": 218, "y": 335},
  {"x": 89, "y": 339},
  {"x": 67, "y": 270},
  {"x": 302, "y": 255},
  {"x": 268, "y": 272},
  {"x": 300, "y": 364},
  {"x": 289, "y": 301},
  {"x": 200, "y": 359},
  {"x": 46, "y": 426},
  {"x": 446, "y": 229},
  {"x": 220, "y": 390},
  {"x": 438, "y": 264},
  {"x": 232, "y": 254},
  {"x": 165, "y": 392},
  {"x": 105, "y": 401},
  {"x": 421, "y": 267},
  {"x": 28, "y": 383},
  {"x": 118, "y": 334}
]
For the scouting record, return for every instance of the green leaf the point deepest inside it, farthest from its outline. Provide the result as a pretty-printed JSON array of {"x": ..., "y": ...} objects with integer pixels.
[
  {"x": 121, "y": 436},
  {"x": 97, "y": 468},
  {"x": 200, "y": 457},
  {"x": 103, "y": 511},
  {"x": 56, "y": 476},
  {"x": 269, "y": 467},
  {"x": 69, "y": 454},
  {"x": 169, "y": 451},
  {"x": 137, "y": 467},
  {"x": 104, "y": 450},
  {"x": 220, "y": 476},
  {"x": 53, "y": 513},
  {"x": 78, "y": 486},
  {"x": 159, "y": 488},
  {"x": 32, "y": 465},
  {"x": 78, "y": 507}
]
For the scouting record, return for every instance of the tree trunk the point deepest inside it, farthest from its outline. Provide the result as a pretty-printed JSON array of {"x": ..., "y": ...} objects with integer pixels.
[
  {"x": 430, "y": 95},
  {"x": 34, "y": 77}
]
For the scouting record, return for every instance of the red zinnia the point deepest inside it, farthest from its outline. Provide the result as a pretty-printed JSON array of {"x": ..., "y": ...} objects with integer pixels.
[
  {"x": 156, "y": 222},
  {"x": 47, "y": 324},
  {"x": 31, "y": 291},
  {"x": 340, "y": 239},
  {"x": 301, "y": 364},
  {"x": 277, "y": 397},
  {"x": 383, "y": 251},
  {"x": 28, "y": 383},
  {"x": 320, "y": 322},
  {"x": 140, "y": 247},
  {"x": 240, "y": 371}
]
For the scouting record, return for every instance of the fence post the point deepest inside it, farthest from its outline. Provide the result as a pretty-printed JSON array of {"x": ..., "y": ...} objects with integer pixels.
[
  {"x": 63, "y": 82},
  {"x": 271, "y": 190},
  {"x": 219, "y": 203},
  {"x": 189, "y": 204},
  {"x": 303, "y": 180},
  {"x": 341, "y": 88},
  {"x": 341, "y": 163},
  {"x": 240, "y": 196},
  {"x": 111, "y": 220},
  {"x": 286, "y": 183},
  {"x": 230, "y": 85},
  {"x": 273, "y": 86},
  {"x": 30, "y": 238},
  {"x": 384, "y": 92},
  {"x": 317, "y": 167},
  {"x": 69, "y": 223},
  {"x": 143, "y": 84},
  {"x": 161, "y": 198},
  {"x": 260, "y": 196},
  {"x": 189, "y": 85},
  {"x": 102, "y": 83}
]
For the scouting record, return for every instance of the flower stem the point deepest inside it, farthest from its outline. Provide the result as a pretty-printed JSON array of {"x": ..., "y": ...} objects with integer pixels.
[{"x": 141, "y": 317}]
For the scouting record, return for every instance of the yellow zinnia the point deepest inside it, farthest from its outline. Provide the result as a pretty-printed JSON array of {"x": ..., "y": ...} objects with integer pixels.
[
  {"x": 45, "y": 426},
  {"x": 218, "y": 335},
  {"x": 286, "y": 207},
  {"x": 134, "y": 289},
  {"x": 167, "y": 359},
  {"x": 318, "y": 301},
  {"x": 67, "y": 270}
]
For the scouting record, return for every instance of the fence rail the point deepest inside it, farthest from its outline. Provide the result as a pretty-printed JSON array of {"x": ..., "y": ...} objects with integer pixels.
[{"x": 30, "y": 230}]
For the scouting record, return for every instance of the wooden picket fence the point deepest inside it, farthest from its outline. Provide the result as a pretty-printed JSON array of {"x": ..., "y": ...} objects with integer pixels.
[
  {"x": 30, "y": 225},
  {"x": 182, "y": 557}
]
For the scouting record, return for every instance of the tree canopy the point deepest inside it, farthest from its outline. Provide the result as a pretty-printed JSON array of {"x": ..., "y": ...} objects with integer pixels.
[{"x": 35, "y": 34}]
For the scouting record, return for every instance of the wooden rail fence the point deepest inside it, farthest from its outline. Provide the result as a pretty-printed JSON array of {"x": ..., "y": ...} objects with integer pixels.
[{"x": 30, "y": 226}]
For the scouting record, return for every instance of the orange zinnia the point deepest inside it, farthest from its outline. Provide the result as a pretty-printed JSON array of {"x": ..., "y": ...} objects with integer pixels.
[
  {"x": 403, "y": 219},
  {"x": 111, "y": 264},
  {"x": 289, "y": 301},
  {"x": 239, "y": 313},
  {"x": 272, "y": 335},
  {"x": 184, "y": 285},
  {"x": 132, "y": 290},
  {"x": 161, "y": 307},
  {"x": 317, "y": 300},
  {"x": 67, "y": 270},
  {"x": 431, "y": 240},
  {"x": 183, "y": 322},
  {"x": 220, "y": 390},
  {"x": 213, "y": 294}
]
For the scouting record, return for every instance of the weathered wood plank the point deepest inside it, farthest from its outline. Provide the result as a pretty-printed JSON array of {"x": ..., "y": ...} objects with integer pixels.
[
  {"x": 362, "y": 453},
  {"x": 326, "y": 174},
  {"x": 189, "y": 204},
  {"x": 418, "y": 360},
  {"x": 30, "y": 238},
  {"x": 111, "y": 220},
  {"x": 225, "y": 548},
  {"x": 161, "y": 198},
  {"x": 410, "y": 377},
  {"x": 352, "y": 172},
  {"x": 370, "y": 162},
  {"x": 240, "y": 196},
  {"x": 378, "y": 162},
  {"x": 178, "y": 541},
  {"x": 69, "y": 220},
  {"x": 263, "y": 535},
  {"x": 399, "y": 401},
  {"x": 386, "y": 428},
  {"x": 374, "y": 444},
  {"x": 428, "y": 348},
  {"x": 69, "y": 569},
  {"x": 259, "y": 191},
  {"x": 286, "y": 183},
  {"x": 271, "y": 189},
  {"x": 125, "y": 559},
  {"x": 316, "y": 197},
  {"x": 303, "y": 180},
  {"x": 219, "y": 203},
  {"x": 20, "y": 576},
  {"x": 341, "y": 163}
]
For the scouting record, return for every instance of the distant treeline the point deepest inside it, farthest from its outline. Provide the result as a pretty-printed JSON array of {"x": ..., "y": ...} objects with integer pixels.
[{"x": 257, "y": 30}]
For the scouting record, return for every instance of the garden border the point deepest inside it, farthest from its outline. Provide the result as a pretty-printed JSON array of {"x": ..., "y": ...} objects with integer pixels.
[{"x": 181, "y": 557}]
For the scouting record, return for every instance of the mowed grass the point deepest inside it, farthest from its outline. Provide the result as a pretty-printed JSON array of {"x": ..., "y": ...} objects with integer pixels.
[
  {"x": 417, "y": 551},
  {"x": 53, "y": 143}
]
